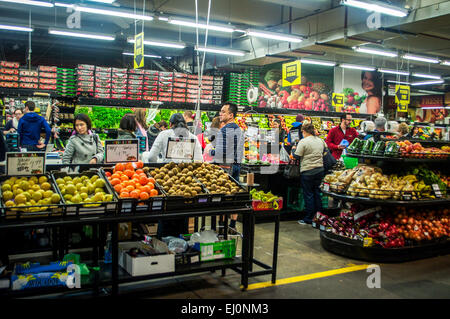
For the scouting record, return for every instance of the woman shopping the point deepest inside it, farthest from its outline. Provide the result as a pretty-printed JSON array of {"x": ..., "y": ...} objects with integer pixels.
[
  {"x": 311, "y": 150},
  {"x": 84, "y": 147},
  {"x": 127, "y": 127}
]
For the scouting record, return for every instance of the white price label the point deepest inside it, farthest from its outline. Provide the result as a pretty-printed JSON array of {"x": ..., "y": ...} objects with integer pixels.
[
  {"x": 180, "y": 148},
  {"x": 326, "y": 187},
  {"x": 25, "y": 163},
  {"x": 295, "y": 136},
  {"x": 121, "y": 151},
  {"x": 437, "y": 190}
]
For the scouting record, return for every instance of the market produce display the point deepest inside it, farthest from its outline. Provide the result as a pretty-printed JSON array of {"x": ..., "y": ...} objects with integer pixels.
[
  {"x": 22, "y": 192},
  {"x": 369, "y": 181},
  {"x": 83, "y": 189},
  {"x": 265, "y": 201},
  {"x": 130, "y": 180},
  {"x": 389, "y": 228},
  {"x": 215, "y": 179}
]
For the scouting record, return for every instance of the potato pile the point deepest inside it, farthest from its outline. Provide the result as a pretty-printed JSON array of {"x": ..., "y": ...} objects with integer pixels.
[
  {"x": 215, "y": 179},
  {"x": 177, "y": 179}
]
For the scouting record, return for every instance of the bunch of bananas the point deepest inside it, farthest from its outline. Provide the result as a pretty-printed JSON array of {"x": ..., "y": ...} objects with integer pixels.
[{"x": 265, "y": 197}]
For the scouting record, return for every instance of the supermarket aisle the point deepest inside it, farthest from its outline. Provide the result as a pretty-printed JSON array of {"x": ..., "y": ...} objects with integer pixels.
[{"x": 300, "y": 253}]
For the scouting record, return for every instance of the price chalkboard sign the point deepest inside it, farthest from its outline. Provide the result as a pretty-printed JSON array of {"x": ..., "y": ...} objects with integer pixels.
[
  {"x": 180, "y": 148},
  {"x": 25, "y": 163},
  {"x": 117, "y": 151}
]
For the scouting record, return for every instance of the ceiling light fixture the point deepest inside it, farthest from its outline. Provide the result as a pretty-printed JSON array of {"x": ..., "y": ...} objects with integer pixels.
[
  {"x": 376, "y": 6},
  {"x": 87, "y": 35},
  {"x": 398, "y": 82},
  {"x": 147, "y": 55},
  {"x": 163, "y": 18},
  {"x": 429, "y": 76},
  {"x": 369, "y": 50},
  {"x": 103, "y": 1},
  {"x": 357, "y": 67},
  {"x": 31, "y": 3},
  {"x": 420, "y": 58},
  {"x": 445, "y": 63},
  {"x": 15, "y": 28},
  {"x": 393, "y": 71},
  {"x": 159, "y": 43},
  {"x": 274, "y": 36},
  {"x": 192, "y": 24},
  {"x": 318, "y": 62},
  {"x": 114, "y": 13},
  {"x": 218, "y": 50},
  {"x": 427, "y": 82}
]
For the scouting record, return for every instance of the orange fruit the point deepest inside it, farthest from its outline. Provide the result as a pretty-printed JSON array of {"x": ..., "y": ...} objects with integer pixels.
[
  {"x": 139, "y": 164},
  {"x": 151, "y": 185},
  {"x": 129, "y": 188},
  {"x": 143, "y": 180},
  {"x": 151, "y": 180},
  {"x": 124, "y": 178},
  {"x": 135, "y": 176},
  {"x": 153, "y": 192},
  {"x": 146, "y": 189},
  {"x": 144, "y": 196},
  {"x": 139, "y": 171},
  {"x": 115, "y": 181},
  {"x": 124, "y": 194},
  {"x": 119, "y": 167},
  {"x": 135, "y": 194},
  {"x": 129, "y": 166},
  {"x": 108, "y": 174},
  {"x": 129, "y": 173},
  {"x": 118, "y": 188},
  {"x": 115, "y": 175}
]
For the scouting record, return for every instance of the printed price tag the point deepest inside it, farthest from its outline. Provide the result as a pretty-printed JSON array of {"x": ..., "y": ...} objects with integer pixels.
[
  {"x": 367, "y": 242},
  {"x": 117, "y": 151},
  {"x": 180, "y": 148},
  {"x": 295, "y": 137},
  {"x": 25, "y": 163},
  {"x": 437, "y": 190},
  {"x": 326, "y": 187},
  {"x": 407, "y": 197}
]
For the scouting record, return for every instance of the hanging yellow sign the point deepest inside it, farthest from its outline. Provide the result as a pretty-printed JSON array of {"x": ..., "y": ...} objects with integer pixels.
[
  {"x": 292, "y": 73},
  {"x": 139, "y": 50},
  {"x": 402, "y": 97}
]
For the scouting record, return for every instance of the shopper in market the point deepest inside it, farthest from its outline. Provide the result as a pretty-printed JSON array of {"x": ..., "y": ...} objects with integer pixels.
[
  {"x": 210, "y": 138},
  {"x": 154, "y": 130},
  {"x": 30, "y": 127},
  {"x": 188, "y": 118},
  {"x": 403, "y": 130},
  {"x": 339, "y": 133},
  {"x": 281, "y": 131},
  {"x": 229, "y": 148},
  {"x": 178, "y": 129},
  {"x": 127, "y": 127},
  {"x": 85, "y": 146},
  {"x": 141, "y": 125},
  {"x": 295, "y": 133},
  {"x": 310, "y": 150},
  {"x": 13, "y": 123}
]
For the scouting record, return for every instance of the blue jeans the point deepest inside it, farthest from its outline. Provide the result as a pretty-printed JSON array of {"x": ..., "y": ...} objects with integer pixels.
[
  {"x": 235, "y": 171},
  {"x": 311, "y": 194}
]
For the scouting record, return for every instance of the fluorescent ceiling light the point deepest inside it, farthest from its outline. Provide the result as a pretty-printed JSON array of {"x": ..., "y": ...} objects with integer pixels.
[
  {"x": 427, "y": 82},
  {"x": 87, "y": 35},
  {"x": 393, "y": 71},
  {"x": 398, "y": 82},
  {"x": 62, "y": 4},
  {"x": 114, "y": 13},
  {"x": 274, "y": 36},
  {"x": 318, "y": 62},
  {"x": 221, "y": 51},
  {"x": 357, "y": 67},
  {"x": 192, "y": 24},
  {"x": 376, "y": 6},
  {"x": 31, "y": 3},
  {"x": 429, "y": 76},
  {"x": 431, "y": 92},
  {"x": 159, "y": 43},
  {"x": 15, "y": 28},
  {"x": 147, "y": 55},
  {"x": 445, "y": 63},
  {"x": 369, "y": 50},
  {"x": 432, "y": 107},
  {"x": 420, "y": 58},
  {"x": 163, "y": 18},
  {"x": 103, "y": 1}
]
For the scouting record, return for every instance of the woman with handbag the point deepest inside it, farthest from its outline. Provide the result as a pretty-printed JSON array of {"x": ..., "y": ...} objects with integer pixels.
[
  {"x": 84, "y": 147},
  {"x": 311, "y": 152}
]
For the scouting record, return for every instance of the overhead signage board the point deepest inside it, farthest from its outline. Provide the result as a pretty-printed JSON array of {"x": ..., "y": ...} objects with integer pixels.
[
  {"x": 292, "y": 73},
  {"x": 139, "y": 50}
]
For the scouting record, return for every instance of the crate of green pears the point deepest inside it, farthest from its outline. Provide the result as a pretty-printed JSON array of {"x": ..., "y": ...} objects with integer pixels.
[
  {"x": 85, "y": 192},
  {"x": 29, "y": 196}
]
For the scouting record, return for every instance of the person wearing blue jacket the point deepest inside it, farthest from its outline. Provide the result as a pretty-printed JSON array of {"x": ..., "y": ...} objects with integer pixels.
[
  {"x": 295, "y": 133},
  {"x": 29, "y": 129}
]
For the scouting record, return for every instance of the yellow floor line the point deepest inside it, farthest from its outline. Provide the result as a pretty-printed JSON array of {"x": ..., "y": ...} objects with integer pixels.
[{"x": 316, "y": 275}]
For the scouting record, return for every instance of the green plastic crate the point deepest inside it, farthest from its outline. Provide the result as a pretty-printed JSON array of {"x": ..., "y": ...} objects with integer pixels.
[
  {"x": 296, "y": 202},
  {"x": 224, "y": 249},
  {"x": 349, "y": 162}
]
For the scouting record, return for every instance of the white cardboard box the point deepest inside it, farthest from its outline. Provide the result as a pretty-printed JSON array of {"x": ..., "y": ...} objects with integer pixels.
[{"x": 148, "y": 265}]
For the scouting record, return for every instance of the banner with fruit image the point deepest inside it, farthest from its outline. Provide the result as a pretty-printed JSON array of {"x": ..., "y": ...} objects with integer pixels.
[{"x": 314, "y": 92}]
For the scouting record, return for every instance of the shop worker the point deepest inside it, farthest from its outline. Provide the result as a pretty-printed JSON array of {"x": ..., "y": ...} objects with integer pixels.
[
  {"x": 295, "y": 133},
  {"x": 339, "y": 133},
  {"x": 229, "y": 148},
  {"x": 12, "y": 124},
  {"x": 187, "y": 115},
  {"x": 127, "y": 127},
  {"x": 84, "y": 147},
  {"x": 178, "y": 129},
  {"x": 29, "y": 129}
]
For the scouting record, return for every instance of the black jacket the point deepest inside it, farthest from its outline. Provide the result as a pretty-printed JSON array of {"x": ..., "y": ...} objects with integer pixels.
[{"x": 152, "y": 133}]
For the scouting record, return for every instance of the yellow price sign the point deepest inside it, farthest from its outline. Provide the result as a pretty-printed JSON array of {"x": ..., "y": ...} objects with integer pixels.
[
  {"x": 139, "y": 50},
  {"x": 402, "y": 94},
  {"x": 292, "y": 73}
]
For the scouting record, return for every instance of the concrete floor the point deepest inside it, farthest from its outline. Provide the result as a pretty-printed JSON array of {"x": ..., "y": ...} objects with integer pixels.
[{"x": 300, "y": 253}]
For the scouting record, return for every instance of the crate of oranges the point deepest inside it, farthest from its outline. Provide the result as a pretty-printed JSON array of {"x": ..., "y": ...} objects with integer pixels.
[{"x": 134, "y": 189}]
